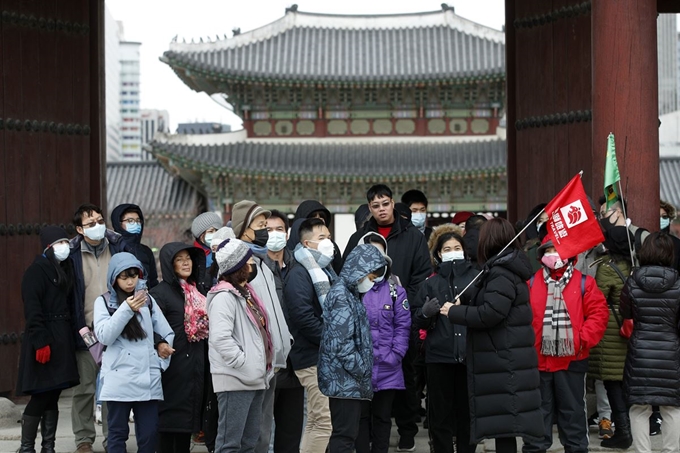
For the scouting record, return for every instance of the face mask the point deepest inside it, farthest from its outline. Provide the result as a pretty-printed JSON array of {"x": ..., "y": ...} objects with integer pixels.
[
  {"x": 364, "y": 285},
  {"x": 208, "y": 238},
  {"x": 452, "y": 256},
  {"x": 276, "y": 241},
  {"x": 96, "y": 233},
  {"x": 608, "y": 222},
  {"x": 665, "y": 223},
  {"x": 326, "y": 248},
  {"x": 261, "y": 237},
  {"x": 253, "y": 273},
  {"x": 134, "y": 228},
  {"x": 418, "y": 219},
  {"x": 382, "y": 277},
  {"x": 552, "y": 261},
  {"x": 539, "y": 225},
  {"x": 61, "y": 251}
]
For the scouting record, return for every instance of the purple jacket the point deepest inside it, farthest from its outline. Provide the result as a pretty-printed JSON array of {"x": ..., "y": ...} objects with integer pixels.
[{"x": 390, "y": 323}]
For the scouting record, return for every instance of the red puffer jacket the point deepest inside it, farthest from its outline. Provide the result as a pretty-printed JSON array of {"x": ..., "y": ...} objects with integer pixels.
[{"x": 588, "y": 313}]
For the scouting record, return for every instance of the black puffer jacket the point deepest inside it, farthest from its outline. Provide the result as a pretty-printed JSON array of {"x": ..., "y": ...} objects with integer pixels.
[
  {"x": 142, "y": 252},
  {"x": 183, "y": 381},
  {"x": 445, "y": 342},
  {"x": 407, "y": 247},
  {"x": 651, "y": 297},
  {"x": 502, "y": 364}
]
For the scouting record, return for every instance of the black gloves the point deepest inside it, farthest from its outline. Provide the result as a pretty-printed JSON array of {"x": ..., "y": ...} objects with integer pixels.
[{"x": 431, "y": 307}]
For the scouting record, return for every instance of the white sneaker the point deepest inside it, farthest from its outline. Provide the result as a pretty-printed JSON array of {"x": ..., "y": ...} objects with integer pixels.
[
  {"x": 131, "y": 417},
  {"x": 98, "y": 414}
]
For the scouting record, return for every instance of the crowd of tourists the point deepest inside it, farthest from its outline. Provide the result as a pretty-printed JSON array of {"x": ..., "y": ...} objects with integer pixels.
[{"x": 263, "y": 336}]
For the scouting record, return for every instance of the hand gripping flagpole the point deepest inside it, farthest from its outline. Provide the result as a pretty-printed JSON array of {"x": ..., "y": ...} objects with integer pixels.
[{"x": 531, "y": 222}]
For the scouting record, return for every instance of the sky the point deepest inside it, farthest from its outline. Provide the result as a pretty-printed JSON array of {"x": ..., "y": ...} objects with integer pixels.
[{"x": 155, "y": 22}]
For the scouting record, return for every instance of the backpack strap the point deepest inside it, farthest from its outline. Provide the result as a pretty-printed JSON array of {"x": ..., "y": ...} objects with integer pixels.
[
  {"x": 393, "y": 292},
  {"x": 583, "y": 285}
]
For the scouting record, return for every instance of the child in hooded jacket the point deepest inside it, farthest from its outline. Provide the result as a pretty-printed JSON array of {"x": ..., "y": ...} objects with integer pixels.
[
  {"x": 389, "y": 317},
  {"x": 125, "y": 321}
]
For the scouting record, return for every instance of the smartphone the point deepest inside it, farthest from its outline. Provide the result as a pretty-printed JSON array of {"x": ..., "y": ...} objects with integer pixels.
[{"x": 141, "y": 293}]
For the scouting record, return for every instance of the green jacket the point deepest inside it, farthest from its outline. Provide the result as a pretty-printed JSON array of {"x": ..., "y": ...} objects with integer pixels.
[{"x": 609, "y": 356}]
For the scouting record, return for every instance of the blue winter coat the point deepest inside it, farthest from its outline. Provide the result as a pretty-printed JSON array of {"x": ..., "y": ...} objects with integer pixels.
[
  {"x": 346, "y": 350},
  {"x": 389, "y": 317},
  {"x": 131, "y": 369}
]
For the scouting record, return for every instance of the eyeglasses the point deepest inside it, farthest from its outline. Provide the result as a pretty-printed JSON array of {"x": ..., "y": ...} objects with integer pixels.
[
  {"x": 384, "y": 204},
  {"x": 92, "y": 224},
  {"x": 132, "y": 221}
]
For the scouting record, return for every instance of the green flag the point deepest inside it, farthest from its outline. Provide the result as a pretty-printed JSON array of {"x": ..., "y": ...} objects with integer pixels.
[{"x": 611, "y": 173}]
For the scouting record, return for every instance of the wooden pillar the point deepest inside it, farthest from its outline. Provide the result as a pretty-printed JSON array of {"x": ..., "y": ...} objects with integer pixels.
[
  {"x": 625, "y": 102},
  {"x": 511, "y": 115}
]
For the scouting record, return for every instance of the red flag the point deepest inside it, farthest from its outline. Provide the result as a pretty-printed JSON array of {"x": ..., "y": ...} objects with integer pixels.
[{"x": 572, "y": 225}]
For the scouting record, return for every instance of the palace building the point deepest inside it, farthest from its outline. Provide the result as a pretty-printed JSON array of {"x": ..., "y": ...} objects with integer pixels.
[{"x": 332, "y": 104}]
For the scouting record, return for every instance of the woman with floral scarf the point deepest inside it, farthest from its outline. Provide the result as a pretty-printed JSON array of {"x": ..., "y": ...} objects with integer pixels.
[
  {"x": 181, "y": 297},
  {"x": 570, "y": 317}
]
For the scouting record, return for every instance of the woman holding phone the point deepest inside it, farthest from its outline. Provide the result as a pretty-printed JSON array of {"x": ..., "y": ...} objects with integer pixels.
[{"x": 125, "y": 321}]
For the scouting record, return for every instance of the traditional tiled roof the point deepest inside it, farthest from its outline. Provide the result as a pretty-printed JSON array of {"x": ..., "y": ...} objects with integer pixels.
[
  {"x": 152, "y": 188},
  {"x": 669, "y": 180},
  {"x": 306, "y": 47},
  {"x": 334, "y": 159}
]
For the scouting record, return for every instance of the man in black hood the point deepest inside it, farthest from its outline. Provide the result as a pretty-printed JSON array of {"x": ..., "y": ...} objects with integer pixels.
[
  {"x": 128, "y": 221},
  {"x": 307, "y": 210}
]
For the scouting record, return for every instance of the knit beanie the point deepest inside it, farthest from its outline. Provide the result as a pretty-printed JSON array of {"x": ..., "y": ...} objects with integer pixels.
[
  {"x": 222, "y": 234},
  {"x": 243, "y": 214},
  {"x": 51, "y": 234},
  {"x": 204, "y": 221},
  {"x": 232, "y": 255}
]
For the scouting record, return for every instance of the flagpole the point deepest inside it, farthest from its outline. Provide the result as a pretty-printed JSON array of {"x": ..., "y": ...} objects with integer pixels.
[
  {"x": 625, "y": 216},
  {"x": 580, "y": 173},
  {"x": 503, "y": 250}
]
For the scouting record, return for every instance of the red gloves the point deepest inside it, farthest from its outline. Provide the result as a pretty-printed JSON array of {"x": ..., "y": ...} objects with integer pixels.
[{"x": 42, "y": 355}]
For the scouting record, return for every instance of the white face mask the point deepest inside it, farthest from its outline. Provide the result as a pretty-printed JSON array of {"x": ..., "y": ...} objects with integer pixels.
[
  {"x": 95, "y": 233},
  {"x": 364, "y": 285},
  {"x": 208, "y": 238},
  {"x": 326, "y": 248},
  {"x": 418, "y": 219},
  {"x": 452, "y": 256},
  {"x": 61, "y": 251},
  {"x": 276, "y": 241}
]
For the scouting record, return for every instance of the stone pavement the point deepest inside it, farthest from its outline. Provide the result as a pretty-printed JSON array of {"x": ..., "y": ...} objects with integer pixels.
[{"x": 10, "y": 437}]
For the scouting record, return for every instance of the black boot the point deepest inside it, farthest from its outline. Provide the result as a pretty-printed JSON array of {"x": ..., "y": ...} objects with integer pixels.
[
  {"x": 622, "y": 437},
  {"x": 48, "y": 429},
  {"x": 29, "y": 430}
]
